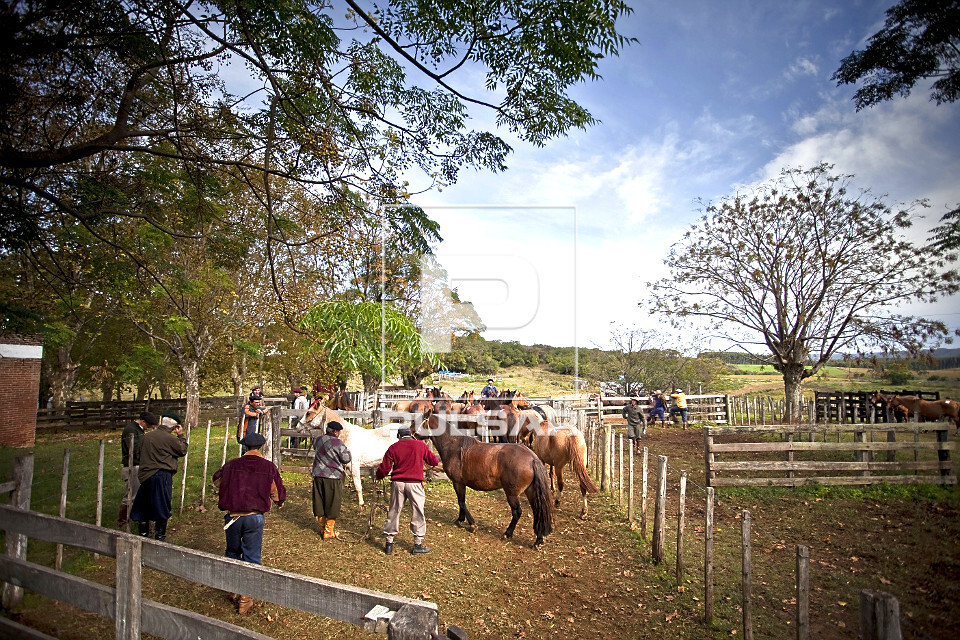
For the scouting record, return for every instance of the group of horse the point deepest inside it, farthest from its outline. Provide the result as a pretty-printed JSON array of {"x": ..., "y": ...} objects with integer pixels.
[
  {"x": 530, "y": 439},
  {"x": 908, "y": 407}
]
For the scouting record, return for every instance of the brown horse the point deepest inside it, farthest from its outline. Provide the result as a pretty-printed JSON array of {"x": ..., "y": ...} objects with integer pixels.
[
  {"x": 488, "y": 467},
  {"x": 900, "y": 412},
  {"x": 929, "y": 409},
  {"x": 559, "y": 446}
]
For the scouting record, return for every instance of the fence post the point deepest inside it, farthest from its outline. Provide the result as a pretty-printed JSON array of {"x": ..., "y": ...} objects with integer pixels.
[
  {"x": 680, "y": 523},
  {"x": 803, "y": 592},
  {"x": 630, "y": 491},
  {"x": 708, "y": 558},
  {"x": 183, "y": 483},
  {"x": 747, "y": 576},
  {"x": 620, "y": 471},
  {"x": 129, "y": 585},
  {"x": 100, "y": 485},
  {"x": 644, "y": 470},
  {"x": 12, "y": 596},
  {"x": 605, "y": 470},
  {"x": 226, "y": 437},
  {"x": 65, "y": 475},
  {"x": 659, "y": 510},
  {"x": 879, "y": 616},
  {"x": 206, "y": 456}
]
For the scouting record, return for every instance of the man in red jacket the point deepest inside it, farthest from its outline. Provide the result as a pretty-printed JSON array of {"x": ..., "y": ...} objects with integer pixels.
[
  {"x": 406, "y": 458},
  {"x": 247, "y": 485}
]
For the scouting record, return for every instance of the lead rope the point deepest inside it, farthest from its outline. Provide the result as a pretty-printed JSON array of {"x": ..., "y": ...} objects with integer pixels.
[{"x": 377, "y": 506}]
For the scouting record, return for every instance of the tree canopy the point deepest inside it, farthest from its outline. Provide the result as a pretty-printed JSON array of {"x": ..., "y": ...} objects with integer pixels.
[
  {"x": 803, "y": 268},
  {"x": 920, "y": 39}
]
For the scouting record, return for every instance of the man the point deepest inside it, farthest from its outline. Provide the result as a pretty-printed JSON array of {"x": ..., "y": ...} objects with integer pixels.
[
  {"x": 328, "y": 471},
  {"x": 130, "y": 442},
  {"x": 159, "y": 451},
  {"x": 636, "y": 425},
  {"x": 659, "y": 408},
  {"x": 679, "y": 406},
  {"x": 250, "y": 421},
  {"x": 256, "y": 392},
  {"x": 248, "y": 485},
  {"x": 489, "y": 391},
  {"x": 403, "y": 462},
  {"x": 299, "y": 404}
]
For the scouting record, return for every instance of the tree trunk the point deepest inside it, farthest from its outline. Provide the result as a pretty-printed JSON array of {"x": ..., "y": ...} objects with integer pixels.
[
  {"x": 238, "y": 372},
  {"x": 61, "y": 375},
  {"x": 164, "y": 390},
  {"x": 191, "y": 383},
  {"x": 370, "y": 383},
  {"x": 106, "y": 390},
  {"x": 793, "y": 392}
]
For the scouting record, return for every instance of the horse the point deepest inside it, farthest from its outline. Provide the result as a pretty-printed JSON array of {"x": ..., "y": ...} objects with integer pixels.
[
  {"x": 929, "y": 409},
  {"x": 487, "y": 467},
  {"x": 900, "y": 412},
  {"x": 558, "y": 446},
  {"x": 520, "y": 417},
  {"x": 367, "y": 446}
]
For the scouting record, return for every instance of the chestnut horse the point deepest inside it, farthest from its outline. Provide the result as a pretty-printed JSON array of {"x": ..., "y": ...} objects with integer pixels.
[
  {"x": 900, "y": 412},
  {"x": 929, "y": 409},
  {"x": 487, "y": 467},
  {"x": 558, "y": 446}
]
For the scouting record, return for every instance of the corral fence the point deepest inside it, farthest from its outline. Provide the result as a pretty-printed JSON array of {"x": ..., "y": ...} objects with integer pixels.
[
  {"x": 401, "y": 618},
  {"x": 624, "y": 474},
  {"x": 858, "y": 406}
]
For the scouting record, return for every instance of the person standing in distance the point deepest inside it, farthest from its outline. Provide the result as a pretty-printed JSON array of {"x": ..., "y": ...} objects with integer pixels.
[
  {"x": 403, "y": 462},
  {"x": 159, "y": 451},
  {"x": 328, "y": 471},
  {"x": 248, "y": 485},
  {"x": 130, "y": 441},
  {"x": 636, "y": 425},
  {"x": 679, "y": 406}
]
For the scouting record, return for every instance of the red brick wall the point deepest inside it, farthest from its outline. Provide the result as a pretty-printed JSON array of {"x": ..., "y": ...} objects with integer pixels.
[{"x": 19, "y": 389}]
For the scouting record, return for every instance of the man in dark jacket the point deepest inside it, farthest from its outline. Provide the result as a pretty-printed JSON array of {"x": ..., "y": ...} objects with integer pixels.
[
  {"x": 248, "y": 485},
  {"x": 636, "y": 422},
  {"x": 130, "y": 444},
  {"x": 159, "y": 451},
  {"x": 406, "y": 458}
]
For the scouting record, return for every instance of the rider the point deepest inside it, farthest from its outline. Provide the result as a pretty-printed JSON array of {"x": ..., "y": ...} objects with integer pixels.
[{"x": 489, "y": 391}]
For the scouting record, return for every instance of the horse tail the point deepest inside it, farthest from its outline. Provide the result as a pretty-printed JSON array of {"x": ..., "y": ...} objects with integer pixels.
[
  {"x": 578, "y": 448},
  {"x": 538, "y": 493}
]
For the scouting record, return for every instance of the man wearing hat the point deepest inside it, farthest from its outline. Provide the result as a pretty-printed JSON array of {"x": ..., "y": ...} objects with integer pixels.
[
  {"x": 659, "y": 408},
  {"x": 403, "y": 462},
  {"x": 250, "y": 420},
  {"x": 248, "y": 486},
  {"x": 679, "y": 406},
  {"x": 489, "y": 391},
  {"x": 159, "y": 451},
  {"x": 330, "y": 456},
  {"x": 130, "y": 443},
  {"x": 636, "y": 423}
]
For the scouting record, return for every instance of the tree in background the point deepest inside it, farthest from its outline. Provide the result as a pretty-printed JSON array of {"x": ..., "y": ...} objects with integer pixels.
[
  {"x": 804, "y": 270},
  {"x": 919, "y": 40}
]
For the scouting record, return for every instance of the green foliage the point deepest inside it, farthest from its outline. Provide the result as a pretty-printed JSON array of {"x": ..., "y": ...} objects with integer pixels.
[
  {"x": 899, "y": 373},
  {"x": 918, "y": 41}
]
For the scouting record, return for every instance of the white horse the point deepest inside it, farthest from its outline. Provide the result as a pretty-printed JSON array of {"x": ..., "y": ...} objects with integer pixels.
[{"x": 367, "y": 446}]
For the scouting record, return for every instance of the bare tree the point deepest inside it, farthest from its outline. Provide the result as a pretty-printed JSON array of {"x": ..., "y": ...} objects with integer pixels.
[{"x": 806, "y": 270}]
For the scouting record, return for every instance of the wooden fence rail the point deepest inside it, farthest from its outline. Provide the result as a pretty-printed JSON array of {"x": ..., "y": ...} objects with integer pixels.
[
  {"x": 313, "y": 595},
  {"x": 773, "y": 462}
]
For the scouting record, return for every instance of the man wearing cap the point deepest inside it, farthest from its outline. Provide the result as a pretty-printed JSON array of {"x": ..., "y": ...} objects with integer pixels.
[
  {"x": 403, "y": 462},
  {"x": 248, "y": 486},
  {"x": 130, "y": 443},
  {"x": 159, "y": 451},
  {"x": 659, "y": 408},
  {"x": 489, "y": 391},
  {"x": 636, "y": 425},
  {"x": 679, "y": 406},
  {"x": 328, "y": 471}
]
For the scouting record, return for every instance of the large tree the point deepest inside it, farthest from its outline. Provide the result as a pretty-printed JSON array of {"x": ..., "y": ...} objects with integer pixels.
[
  {"x": 919, "y": 40},
  {"x": 807, "y": 270}
]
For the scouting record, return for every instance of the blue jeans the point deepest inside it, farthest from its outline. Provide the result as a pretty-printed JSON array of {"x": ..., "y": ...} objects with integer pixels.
[{"x": 245, "y": 537}]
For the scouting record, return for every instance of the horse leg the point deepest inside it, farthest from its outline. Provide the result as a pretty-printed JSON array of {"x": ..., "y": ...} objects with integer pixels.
[
  {"x": 556, "y": 498},
  {"x": 461, "y": 490},
  {"x": 355, "y": 471},
  {"x": 515, "y": 510}
]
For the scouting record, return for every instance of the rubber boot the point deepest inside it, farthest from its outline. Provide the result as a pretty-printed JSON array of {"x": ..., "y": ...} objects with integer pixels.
[
  {"x": 322, "y": 521},
  {"x": 329, "y": 531},
  {"x": 143, "y": 528},
  {"x": 122, "y": 517},
  {"x": 244, "y": 604},
  {"x": 161, "y": 531},
  {"x": 388, "y": 547}
]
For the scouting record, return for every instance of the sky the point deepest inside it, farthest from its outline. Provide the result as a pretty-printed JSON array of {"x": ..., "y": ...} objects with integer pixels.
[{"x": 560, "y": 248}]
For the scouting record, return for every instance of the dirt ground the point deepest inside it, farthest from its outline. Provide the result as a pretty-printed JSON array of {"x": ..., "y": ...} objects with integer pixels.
[{"x": 595, "y": 578}]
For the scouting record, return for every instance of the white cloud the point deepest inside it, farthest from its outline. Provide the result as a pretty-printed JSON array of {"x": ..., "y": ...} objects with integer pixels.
[{"x": 801, "y": 67}]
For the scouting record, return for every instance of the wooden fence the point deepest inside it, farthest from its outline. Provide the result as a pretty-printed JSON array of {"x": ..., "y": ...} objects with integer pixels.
[
  {"x": 857, "y": 406},
  {"x": 790, "y": 455},
  {"x": 402, "y": 618}
]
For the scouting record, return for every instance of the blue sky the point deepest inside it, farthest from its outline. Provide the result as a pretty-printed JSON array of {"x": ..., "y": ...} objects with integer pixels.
[{"x": 715, "y": 97}]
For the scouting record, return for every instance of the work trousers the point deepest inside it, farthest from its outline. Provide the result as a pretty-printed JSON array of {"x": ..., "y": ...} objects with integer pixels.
[{"x": 399, "y": 492}]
